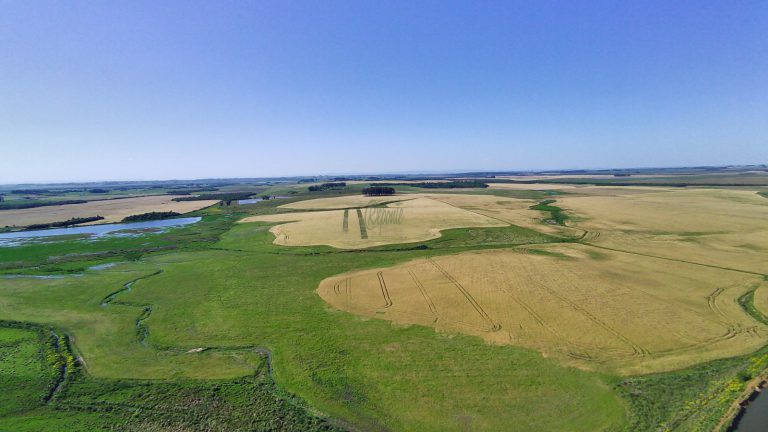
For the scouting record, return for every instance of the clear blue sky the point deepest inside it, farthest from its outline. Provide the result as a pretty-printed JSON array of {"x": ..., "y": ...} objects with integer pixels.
[{"x": 98, "y": 90}]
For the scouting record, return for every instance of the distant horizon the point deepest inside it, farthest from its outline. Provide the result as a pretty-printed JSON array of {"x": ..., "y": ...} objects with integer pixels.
[{"x": 564, "y": 171}]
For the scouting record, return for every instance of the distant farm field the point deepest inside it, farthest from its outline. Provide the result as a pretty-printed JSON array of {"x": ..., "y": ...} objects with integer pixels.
[
  {"x": 113, "y": 210},
  {"x": 717, "y": 227},
  {"x": 407, "y": 220}
]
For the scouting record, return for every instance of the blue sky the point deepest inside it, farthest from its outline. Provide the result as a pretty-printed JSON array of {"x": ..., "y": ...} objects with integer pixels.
[{"x": 158, "y": 90}]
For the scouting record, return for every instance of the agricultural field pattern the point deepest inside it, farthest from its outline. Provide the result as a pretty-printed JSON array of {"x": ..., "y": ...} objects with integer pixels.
[{"x": 636, "y": 308}]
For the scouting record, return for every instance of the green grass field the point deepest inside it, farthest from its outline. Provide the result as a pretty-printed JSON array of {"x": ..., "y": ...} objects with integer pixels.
[{"x": 208, "y": 301}]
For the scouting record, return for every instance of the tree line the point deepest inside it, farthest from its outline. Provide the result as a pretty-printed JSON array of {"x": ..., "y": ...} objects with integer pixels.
[
  {"x": 324, "y": 186},
  {"x": 151, "y": 216},
  {"x": 25, "y": 205},
  {"x": 66, "y": 223},
  {"x": 226, "y": 197},
  {"x": 441, "y": 185},
  {"x": 378, "y": 191}
]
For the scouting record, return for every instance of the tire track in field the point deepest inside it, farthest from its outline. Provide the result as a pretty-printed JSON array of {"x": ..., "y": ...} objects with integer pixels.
[
  {"x": 423, "y": 291},
  {"x": 345, "y": 222},
  {"x": 536, "y": 279},
  {"x": 384, "y": 290},
  {"x": 492, "y": 326},
  {"x": 542, "y": 322}
]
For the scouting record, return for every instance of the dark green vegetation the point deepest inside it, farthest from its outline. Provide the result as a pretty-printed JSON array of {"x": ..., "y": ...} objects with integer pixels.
[
  {"x": 763, "y": 194},
  {"x": 378, "y": 191},
  {"x": 151, "y": 216},
  {"x": 556, "y": 215},
  {"x": 691, "y": 399},
  {"x": 30, "y": 368},
  {"x": 37, "y": 395},
  {"x": 66, "y": 223},
  {"x": 174, "y": 349},
  {"x": 18, "y": 205},
  {"x": 226, "y": 197},
  {"x": 325, "y": 186},
  {"x": 441, "y": 185}
]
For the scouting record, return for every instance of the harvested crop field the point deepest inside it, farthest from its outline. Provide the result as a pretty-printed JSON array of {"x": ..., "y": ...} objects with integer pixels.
[
  {"x": 113, "y": 210},
  {"x": 594, "y": 309},
  {"x": 415, "y": 219}
]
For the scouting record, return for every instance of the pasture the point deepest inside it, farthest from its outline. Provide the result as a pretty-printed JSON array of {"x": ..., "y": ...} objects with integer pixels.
[{"x": 113, "y": 210}]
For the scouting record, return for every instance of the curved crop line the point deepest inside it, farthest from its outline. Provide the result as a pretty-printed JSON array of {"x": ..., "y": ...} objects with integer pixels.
[
  {"x": 537, "y": 280},
  {"x": 493, "y": 326},
  {"x": 423, "y": 291}
]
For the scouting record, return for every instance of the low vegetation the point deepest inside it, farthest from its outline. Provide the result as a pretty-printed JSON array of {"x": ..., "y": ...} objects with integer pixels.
[{"x": 556, "y": 215}]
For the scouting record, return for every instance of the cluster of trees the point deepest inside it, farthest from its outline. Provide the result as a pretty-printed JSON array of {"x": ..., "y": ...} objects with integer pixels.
[
  {"x": 442, "y": 185},
  {"x": 13, "y": 205},
  {"x": 324, "y": 186},
  {"x": 378, "y": 191},
  {"x": 66, "y": 223},
  {"x": 98, "y": 190},
  {"x": 189, "y": 191},
  {"x": 227, "y": 197},
  {"x": 151, "y": 216},
  {"x": 2, "y": 198}
]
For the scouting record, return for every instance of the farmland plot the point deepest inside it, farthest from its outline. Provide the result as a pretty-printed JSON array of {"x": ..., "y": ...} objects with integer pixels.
[
  {"x": 718, "y": 227},
  {"x": 609, "y": 311},
  {"x": 405, "y": 221}
]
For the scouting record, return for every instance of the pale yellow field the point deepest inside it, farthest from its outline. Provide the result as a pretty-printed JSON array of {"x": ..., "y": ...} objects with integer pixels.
[
  {"x": 415, "y": 218},
  {"x": 343, "y": 202},
  {"x": 532, "y": 186},
  {"x": 718, "y": 227},
  {"x": 510, "y": 210},
  {"x": 590, "y": 308},
  {"x": 112, "y": 210}
]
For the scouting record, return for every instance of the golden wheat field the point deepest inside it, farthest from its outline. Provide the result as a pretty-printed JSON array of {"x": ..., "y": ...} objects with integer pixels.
[
  {"x": 595, "y": 309},
  {"x": 344, "y": 202},
  {"x": 413, "y": 218},
  {"x": 718, "y": 227},
  {"x": 113, "y": 210}
]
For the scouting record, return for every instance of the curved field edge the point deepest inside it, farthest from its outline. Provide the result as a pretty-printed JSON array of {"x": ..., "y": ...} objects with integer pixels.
[{"x": 69, "y": 398}]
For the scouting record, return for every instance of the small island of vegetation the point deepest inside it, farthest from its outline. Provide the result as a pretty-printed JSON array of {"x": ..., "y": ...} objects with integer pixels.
[{"x": 151, "y": 216}]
